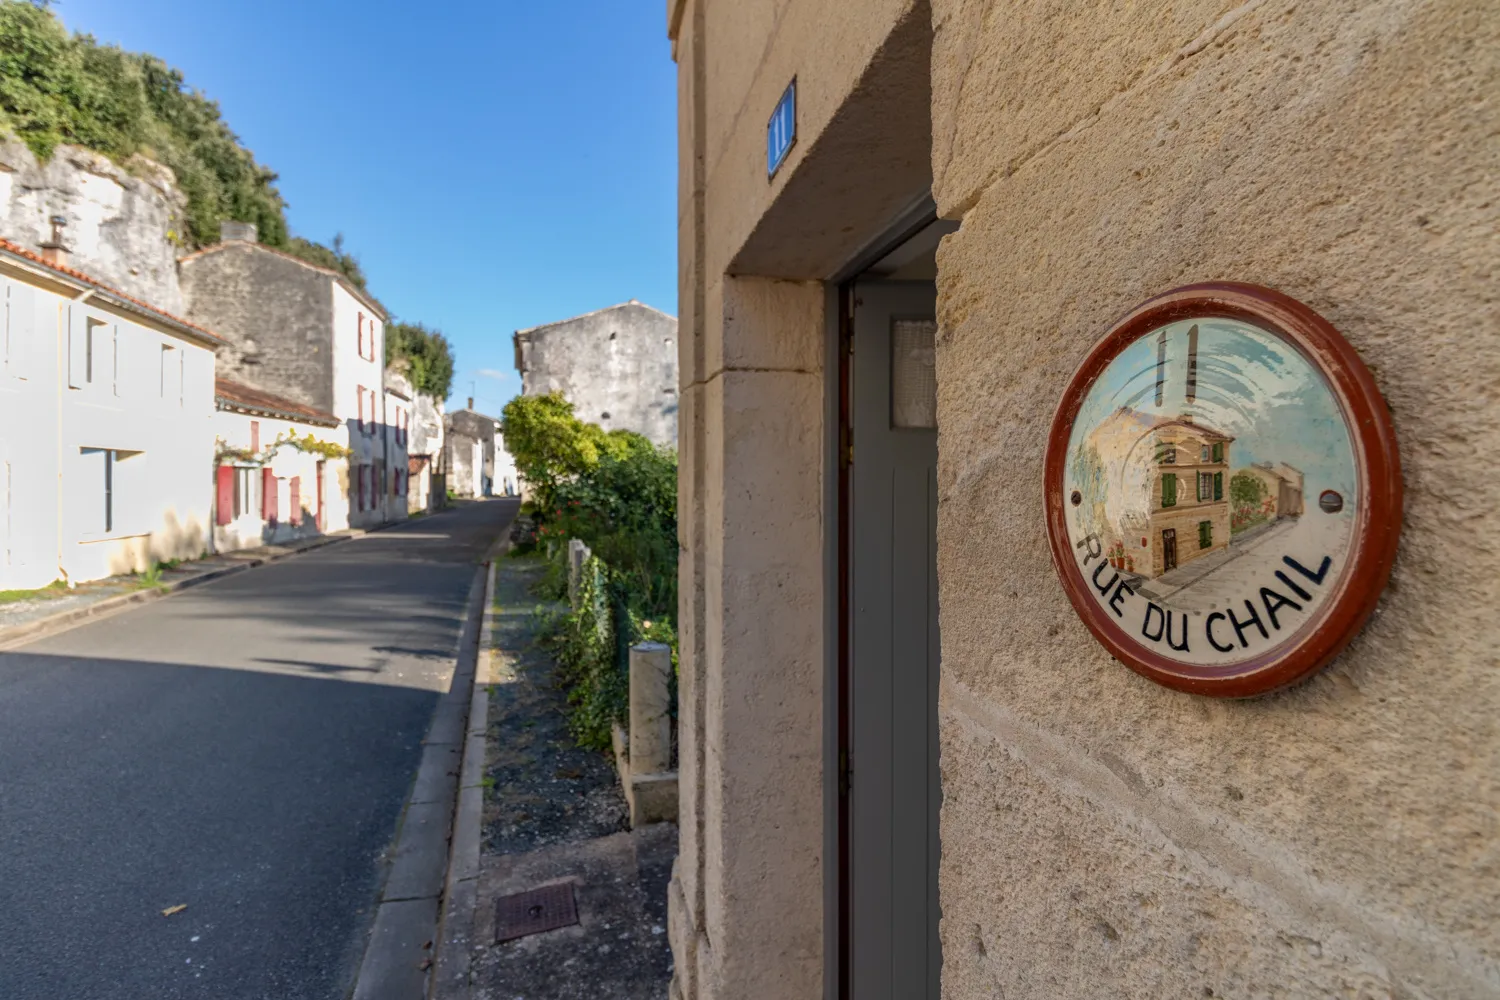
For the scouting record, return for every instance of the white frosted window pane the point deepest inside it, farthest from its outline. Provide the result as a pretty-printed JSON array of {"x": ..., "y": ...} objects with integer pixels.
[{"x": 913, "y": 373}]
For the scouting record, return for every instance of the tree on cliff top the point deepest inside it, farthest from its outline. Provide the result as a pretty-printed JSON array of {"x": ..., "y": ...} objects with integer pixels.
[
  {"x": 429, "y": 359},
  {"x": 56, "y": 89}
]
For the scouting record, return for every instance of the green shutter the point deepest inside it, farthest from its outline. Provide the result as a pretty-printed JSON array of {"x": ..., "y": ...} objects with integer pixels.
[
  {"x": 1205, "y": 534},
  {"x": 1169, "y": 490},
  {"x": 1218, "y": 486},
  {"x": 1219, "y": 451}
]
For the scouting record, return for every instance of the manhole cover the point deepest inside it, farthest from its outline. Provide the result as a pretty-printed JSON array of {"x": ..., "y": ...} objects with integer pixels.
[{"x": 534, "y": 911}]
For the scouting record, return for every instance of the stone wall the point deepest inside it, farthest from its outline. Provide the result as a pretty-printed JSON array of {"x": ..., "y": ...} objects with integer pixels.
[
  {"x": 1102, "y": 835},
  {"x": 122, "y": 221},
  {"x": 464, "y": 428},
  {"x": 617, "y": 366},
  {"x": 276, "y": 313}
]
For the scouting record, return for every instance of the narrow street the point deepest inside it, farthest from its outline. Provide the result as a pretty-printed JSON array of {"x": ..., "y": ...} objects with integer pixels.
[{"x": 244, "y": 748}]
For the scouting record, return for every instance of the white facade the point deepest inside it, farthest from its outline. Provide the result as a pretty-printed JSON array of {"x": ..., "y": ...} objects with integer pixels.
[
  {"x": 359, "y": 403},
  {"x": 107, "y": 408},
  {"x": 507, "y": 482},
  {"x": 266, "y": 490}
]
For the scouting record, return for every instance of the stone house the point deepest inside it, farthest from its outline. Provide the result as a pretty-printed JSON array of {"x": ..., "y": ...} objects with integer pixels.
[
  {"x": 107, "y": 404},
  {"x": 1168, "y": 480},
  {"x": 471, "y": 441},
  {"x": 907, "y": 768},
  {"x": 307, "y": 334},
  {"x": 267, "y": 489},
  {"x": 617, "y": 366}
]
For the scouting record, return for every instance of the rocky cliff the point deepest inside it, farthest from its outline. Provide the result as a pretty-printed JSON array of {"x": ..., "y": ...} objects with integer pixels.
[{"x": 122, "y": 221}]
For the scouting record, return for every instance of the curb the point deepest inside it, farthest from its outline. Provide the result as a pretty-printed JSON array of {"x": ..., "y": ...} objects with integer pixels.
[
  {"x": 64, "y": 620},
  {"x": 401, "y": 951},
  {"x": 450, "y": 980}
]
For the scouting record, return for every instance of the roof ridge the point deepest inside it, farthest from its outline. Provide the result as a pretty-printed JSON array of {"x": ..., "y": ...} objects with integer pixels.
[
  {"x": 336, "y": 275},
  {"x": 595, "y": 312}
]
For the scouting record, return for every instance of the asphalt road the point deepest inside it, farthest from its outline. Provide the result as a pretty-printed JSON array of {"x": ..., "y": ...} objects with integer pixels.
[{"x": 245, "y": 748}]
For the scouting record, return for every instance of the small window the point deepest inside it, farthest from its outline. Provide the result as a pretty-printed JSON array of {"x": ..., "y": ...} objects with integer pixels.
[
  {"x": 108, "y": 478},
  {"x": 1169, "y": 490},
  {"x": 1205, "y": 534},
  {"x": 1205, "y": 486},
  {"x": 171, "y": 375},
  {"x": 1204, "y": 457},
  {"x": 247, "y": 492}
]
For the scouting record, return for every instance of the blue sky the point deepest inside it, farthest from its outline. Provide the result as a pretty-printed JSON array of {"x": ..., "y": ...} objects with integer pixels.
[{"x": 494, "y": 165}]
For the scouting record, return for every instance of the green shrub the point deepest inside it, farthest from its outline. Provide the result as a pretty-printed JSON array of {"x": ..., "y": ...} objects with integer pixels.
[
  {"x": 617, "y": 493},
  {"x": 56, "y": 89}
]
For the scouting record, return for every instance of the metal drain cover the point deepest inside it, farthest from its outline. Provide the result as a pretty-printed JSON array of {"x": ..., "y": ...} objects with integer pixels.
[{"x": 534, "y": 911}]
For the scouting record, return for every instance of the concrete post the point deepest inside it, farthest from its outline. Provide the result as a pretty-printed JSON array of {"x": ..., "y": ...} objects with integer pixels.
[
  {"x": 650, "y": 708},
  {"x": 578, "y": 554}
]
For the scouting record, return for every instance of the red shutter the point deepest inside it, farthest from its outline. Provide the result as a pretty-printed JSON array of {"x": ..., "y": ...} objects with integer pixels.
[
  {"x": 254, "y": 436},
  {"x": 267, "y": 495},
  {"x": 224, "y": 503},
  {"x": 361, "y": 334},
  {"x": 294, "y": 500},
  {"x": 361, "y": 393}
]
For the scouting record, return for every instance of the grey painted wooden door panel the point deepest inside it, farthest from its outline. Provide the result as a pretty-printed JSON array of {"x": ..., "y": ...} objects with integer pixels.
[{"x": 894, "y": 790}]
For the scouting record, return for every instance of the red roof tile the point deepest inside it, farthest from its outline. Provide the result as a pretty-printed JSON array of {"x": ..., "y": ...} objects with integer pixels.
[
  {"x": 77, "y": 275},
  {"x": 244, "y": 396}
]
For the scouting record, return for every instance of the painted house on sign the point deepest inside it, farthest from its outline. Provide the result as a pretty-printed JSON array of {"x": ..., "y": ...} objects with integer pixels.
[
  {"x": 107, "y": 404},
  {"x": 1165, "y": 502},
  {"x": 271, "y": 472},
  {"x": 308, "y": 335}
]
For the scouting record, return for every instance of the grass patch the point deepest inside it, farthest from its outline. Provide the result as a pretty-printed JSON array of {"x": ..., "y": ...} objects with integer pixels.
[{"x": 56, "y": 588}]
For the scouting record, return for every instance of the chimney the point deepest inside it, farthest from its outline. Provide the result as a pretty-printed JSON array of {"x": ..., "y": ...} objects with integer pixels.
[
  {"x": 242, "y": 231},
  {"x": 54, "y": 251},
  {"x": 471, "y": 403}
]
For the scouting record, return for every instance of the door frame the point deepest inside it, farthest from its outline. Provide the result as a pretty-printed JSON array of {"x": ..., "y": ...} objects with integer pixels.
[{"x": 837, "y": 494}]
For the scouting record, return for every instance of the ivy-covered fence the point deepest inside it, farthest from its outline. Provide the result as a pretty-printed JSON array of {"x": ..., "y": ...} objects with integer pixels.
[{"x": 617, "y": 494}]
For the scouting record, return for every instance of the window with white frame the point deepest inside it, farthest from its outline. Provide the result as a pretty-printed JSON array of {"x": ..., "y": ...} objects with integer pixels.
[{"x": 111, "y": 494}]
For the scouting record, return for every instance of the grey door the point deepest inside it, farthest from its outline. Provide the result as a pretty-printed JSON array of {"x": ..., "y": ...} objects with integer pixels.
[{"x": 893, "y": 654}]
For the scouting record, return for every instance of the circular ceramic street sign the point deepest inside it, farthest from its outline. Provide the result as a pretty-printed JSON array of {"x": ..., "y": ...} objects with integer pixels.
[{"x": 1223, "y": 490}]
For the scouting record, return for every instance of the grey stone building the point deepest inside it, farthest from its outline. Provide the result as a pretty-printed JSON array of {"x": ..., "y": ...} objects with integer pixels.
[
  {"x": 617, "y": 366},
  {"x": 470, "y": 447},
  {"x": 308, "y": 334}
]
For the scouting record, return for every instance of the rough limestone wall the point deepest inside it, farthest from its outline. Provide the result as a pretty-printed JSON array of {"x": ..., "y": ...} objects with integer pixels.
[
  {"x": 1103, "y": 836},
  {"x": 617, "y": 366},
  {"x": 118, "y": 219}
]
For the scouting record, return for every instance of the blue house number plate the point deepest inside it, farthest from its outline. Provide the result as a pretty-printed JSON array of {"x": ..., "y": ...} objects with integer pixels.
[{"x": 781, "y": 130}]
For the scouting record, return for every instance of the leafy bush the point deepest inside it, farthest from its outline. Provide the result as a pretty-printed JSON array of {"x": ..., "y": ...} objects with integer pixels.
[
  {"x": 56, "y": 88},
  {"x": 617, "y": 493},
  {"x": 427, "y": 354}
]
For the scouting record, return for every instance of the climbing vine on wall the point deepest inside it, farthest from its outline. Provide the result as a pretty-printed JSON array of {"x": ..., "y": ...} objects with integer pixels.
[{"x": 225, "y": 453}]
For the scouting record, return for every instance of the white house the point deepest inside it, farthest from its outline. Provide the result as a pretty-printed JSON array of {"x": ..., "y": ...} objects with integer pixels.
[
  {"x": 424, "y": 450},
  {"x": 107, "y": 406},
  {"x": 276, "y": 460},
  {"x": 309, "y": 335},
  {"x": 399, "y": 405}
]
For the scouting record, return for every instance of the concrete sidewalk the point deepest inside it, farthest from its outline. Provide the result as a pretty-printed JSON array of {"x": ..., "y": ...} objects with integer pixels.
[{"x": 56, "y": 609}]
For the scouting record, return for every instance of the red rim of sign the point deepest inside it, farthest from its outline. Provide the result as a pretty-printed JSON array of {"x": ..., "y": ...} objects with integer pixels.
[{"x": 1377, "y": 527}]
